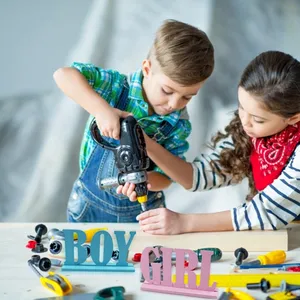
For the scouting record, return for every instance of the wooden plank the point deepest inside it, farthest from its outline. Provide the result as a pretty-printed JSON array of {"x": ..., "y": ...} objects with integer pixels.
[{"x": 256, "y": 241}]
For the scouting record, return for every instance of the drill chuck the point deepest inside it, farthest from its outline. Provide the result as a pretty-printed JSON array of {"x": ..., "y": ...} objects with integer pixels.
[{"x": 138, "y": 178}]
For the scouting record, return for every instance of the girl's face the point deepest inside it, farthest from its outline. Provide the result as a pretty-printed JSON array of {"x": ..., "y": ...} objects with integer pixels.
[{"x": 257, "y": 121}]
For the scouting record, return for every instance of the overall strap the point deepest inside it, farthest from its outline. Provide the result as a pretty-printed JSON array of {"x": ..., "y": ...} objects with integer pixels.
[
  {"x": 123, "y": 98},
  {"x": 163, "y": 131}
]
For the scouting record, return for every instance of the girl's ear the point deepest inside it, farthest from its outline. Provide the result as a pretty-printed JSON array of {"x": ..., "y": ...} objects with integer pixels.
[
  {"x": 146, "y": 67},
  {"x": 294, "y": 119}
]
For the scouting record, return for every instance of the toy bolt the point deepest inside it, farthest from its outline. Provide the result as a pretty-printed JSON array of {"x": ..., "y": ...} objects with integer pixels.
[
  {"x": 44, "y": 264},
  {"x": 285, "y": 287},
  {"x": 39, "y": 248},
  {"x": 115, "y": 255},
  {"x": 240, "y": 254},
  {"x": 264, "y": 285},
  {"x": 55, "y": 247},
  {"x": 40, "y": 230}
]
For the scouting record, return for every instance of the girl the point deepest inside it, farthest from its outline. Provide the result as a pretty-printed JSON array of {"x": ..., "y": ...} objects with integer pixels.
[{"x": 260, "y": 143}]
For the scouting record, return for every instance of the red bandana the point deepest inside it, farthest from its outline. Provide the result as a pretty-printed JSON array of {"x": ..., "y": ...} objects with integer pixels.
[{"x": 270, "y": 155}]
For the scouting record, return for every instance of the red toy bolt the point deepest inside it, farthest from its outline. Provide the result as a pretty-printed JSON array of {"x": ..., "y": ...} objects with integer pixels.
[
  {"x": 137, "y": 257},
  {"x": 31, "y": 244}
]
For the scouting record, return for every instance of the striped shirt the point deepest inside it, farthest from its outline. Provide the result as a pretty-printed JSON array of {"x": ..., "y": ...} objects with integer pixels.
[
  {"x": 272, "y": 208},
  {"x": 108, "y": 84}
]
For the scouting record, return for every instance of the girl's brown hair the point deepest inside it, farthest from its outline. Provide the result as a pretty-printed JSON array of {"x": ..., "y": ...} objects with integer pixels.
[
  {"x": 273, "y": 78},
  {"x": 183, "y": 52}
]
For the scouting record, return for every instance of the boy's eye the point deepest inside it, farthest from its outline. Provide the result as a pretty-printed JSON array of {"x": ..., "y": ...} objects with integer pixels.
[
  {"x": 167, "y": 93},
  {"x": 187, "y": 98}
]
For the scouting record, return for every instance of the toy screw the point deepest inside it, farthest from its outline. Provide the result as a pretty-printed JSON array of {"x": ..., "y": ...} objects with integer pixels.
[
  {"x": 285, "y": 287},
  {"x": 264, "y": 285},
  {"x": 40, "y": 230},
  {"x": 240, "y": 254},
  {"x": 44, "y": 264}
]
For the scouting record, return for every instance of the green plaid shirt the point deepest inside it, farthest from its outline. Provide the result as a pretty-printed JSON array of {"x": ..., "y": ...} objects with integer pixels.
[{"x": 108, "y": 84}]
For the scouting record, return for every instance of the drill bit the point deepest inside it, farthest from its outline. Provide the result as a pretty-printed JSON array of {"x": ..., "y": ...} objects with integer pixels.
[
  {"x": 143, "y": 201},
  {"x": 143, "y": 206}
]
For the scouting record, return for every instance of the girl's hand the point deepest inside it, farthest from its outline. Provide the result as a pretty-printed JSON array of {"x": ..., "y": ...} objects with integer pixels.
[
  {"x": 108, "y": 122},
  {"x": 160, "y": 221},
  {"x": 128, "y": 190}
]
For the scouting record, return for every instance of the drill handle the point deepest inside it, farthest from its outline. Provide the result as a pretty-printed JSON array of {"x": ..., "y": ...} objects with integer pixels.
[{"x": 99, "y": 139}]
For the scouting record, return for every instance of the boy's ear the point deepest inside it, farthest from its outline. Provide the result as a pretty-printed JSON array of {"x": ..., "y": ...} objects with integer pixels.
[
  {"x": 294, "y": 119},
  {"x": 146, "y": 67}
]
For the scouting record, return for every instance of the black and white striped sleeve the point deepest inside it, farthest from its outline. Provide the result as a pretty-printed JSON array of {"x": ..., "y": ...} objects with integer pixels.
[
  {"x": 277, "y": 205},
  {"x": 204, "y": 178}
]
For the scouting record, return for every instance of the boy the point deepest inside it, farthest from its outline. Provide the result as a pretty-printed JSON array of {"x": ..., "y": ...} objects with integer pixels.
[{"x": 180, "y": 60}]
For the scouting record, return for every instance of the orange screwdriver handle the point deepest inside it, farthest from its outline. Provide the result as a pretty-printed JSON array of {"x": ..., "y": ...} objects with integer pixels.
[{"x": 271, "y": 258}]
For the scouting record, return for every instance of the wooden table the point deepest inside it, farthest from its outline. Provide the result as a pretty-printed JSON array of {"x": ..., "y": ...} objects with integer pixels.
[{"x": 18, "y": 281}]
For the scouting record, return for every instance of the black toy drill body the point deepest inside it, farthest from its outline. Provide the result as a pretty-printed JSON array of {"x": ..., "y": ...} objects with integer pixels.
[{"x": 131, "y": 158}]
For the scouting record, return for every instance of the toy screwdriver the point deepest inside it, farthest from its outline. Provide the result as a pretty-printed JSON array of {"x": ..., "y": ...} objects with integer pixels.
[{"x": 274, "y": 257}]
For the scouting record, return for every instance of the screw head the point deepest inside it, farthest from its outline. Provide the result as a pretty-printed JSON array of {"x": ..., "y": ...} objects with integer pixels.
[
  {"x": 45, "y": 264},
  {"x": 55, "y": 247},
  {"x": 265, "y": 285},
  {"x": 241, "y": 250},
  {"x": 41, "y": 227}
]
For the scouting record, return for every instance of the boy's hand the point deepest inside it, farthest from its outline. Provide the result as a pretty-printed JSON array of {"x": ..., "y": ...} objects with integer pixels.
[
  {"x": 160, "y": 221},
  {"x": 128, "y": 190},
  {"x": 108, "y": 122}
]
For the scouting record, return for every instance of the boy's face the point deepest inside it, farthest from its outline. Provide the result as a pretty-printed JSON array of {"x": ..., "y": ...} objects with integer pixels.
[{"x": 163, "y": 94}]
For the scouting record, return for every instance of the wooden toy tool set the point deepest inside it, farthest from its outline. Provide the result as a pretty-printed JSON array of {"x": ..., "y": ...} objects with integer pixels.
[{"x": 164, "y": 269}]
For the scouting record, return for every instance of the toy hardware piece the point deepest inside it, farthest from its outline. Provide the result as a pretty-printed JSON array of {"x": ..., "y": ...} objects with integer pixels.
[
  {"x": 58, "y": 284},
  {"x": 113, "y": 293},
  {"x": 55, "y": 247},
  {"x": 31, "y": 244},
  {"x": 137, "y": 257},
  {"x": 44, "y": 264},
  {"x": 40, "y": 230},
  {"x": 240, "y": 254},
  {"x": 229, "y": 294},
  {"x": 284, "y": 286},
  {"x": 39, "y": 248},
  {"x": 264, "y": 285}
]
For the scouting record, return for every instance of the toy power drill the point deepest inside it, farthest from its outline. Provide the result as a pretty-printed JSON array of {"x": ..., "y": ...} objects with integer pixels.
[{"x": 131, "y": 158}]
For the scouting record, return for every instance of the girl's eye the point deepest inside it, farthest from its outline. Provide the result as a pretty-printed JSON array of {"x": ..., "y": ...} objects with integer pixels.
[
  {"x": 258, "y": 121},
  {"x": 167, "y": 93}
]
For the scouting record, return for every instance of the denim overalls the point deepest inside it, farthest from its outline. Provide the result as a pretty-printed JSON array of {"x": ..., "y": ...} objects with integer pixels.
[{"x": 87, "y": 203}]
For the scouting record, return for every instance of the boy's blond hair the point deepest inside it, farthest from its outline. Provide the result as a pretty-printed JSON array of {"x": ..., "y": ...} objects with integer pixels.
[{"x": 183, "y": 52}]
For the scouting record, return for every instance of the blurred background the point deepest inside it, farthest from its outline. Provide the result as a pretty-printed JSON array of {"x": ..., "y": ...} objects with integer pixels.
[{"x": 41, "y": 129}]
